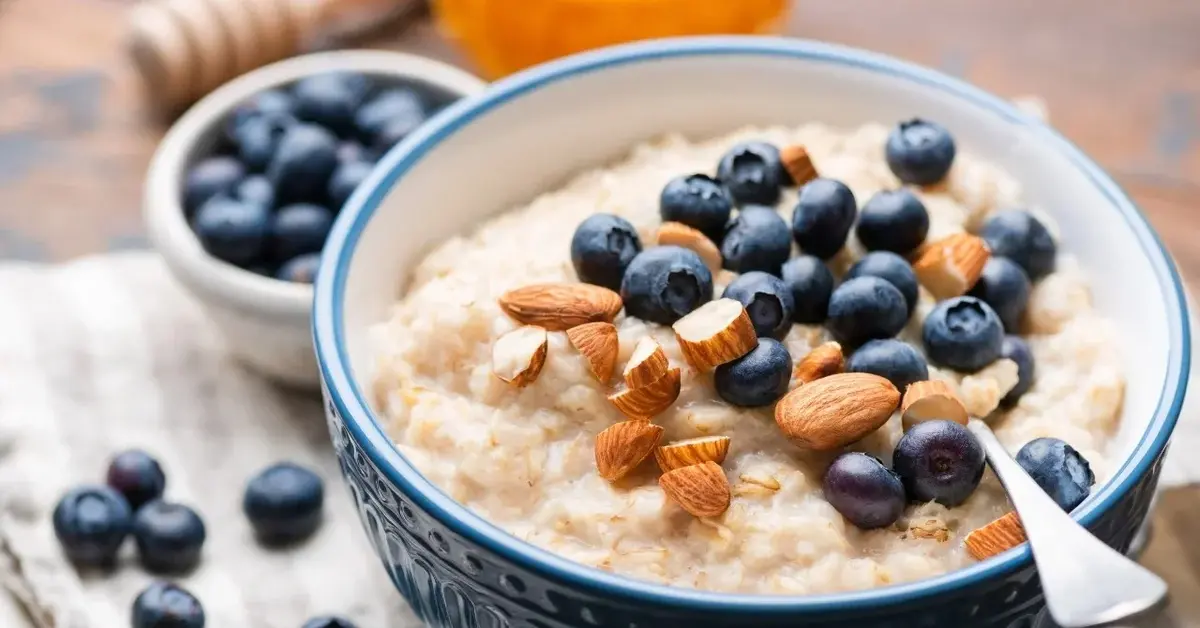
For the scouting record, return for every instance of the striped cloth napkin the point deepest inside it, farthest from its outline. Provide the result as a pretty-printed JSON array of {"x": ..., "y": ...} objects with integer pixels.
[{"x": 107, "y": 353}]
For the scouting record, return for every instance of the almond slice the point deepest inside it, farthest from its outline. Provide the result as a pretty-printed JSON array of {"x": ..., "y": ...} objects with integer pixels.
[
  {"x": 650, "y": 400},
  {"x": 700, "y": 489},
  {"x": 951, "y": 266},
  {"x": 715, "y": 333},
  {"x": 798, "y": 164},
  {"x": 996, "y": 537},
  {"x": 623, "y": 446},
  {"x": 518, "y": 356},
  {"x": 647, "y": 364},
  {"x": 822, "y": 361},
  {"x": 561, "y": 306},
  {"x": 931, "y": 400},
  {"x": 679, "y": 234},
  {"x": 692, "y": 451},
  {"x": 837, "y": 410},
  {"x": 599, "y": 344}
]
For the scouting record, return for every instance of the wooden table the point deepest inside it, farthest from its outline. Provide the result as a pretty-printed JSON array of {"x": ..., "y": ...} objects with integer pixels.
[{"x": 1121, "y": 78}]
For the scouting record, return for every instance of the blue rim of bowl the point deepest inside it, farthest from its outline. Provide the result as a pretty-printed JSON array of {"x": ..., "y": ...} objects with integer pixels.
[{"x": 351, "y": 402}]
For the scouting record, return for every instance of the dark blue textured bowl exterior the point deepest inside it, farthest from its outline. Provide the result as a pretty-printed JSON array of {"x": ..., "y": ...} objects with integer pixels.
[{"x": 458, "y": 570}]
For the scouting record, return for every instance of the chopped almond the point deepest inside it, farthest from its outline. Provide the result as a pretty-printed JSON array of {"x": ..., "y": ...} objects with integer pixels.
[
  {"x": 647, "y": 364},
  {"x": 715, "y": 333},
  {"x": 518, "y": 356}
]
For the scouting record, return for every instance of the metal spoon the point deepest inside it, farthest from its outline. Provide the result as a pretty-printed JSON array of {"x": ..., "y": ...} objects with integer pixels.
[{"x": 1086, "y": 583}]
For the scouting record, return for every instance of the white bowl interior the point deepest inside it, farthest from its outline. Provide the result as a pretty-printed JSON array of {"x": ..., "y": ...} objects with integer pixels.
[{"x": 537, "y": 139}]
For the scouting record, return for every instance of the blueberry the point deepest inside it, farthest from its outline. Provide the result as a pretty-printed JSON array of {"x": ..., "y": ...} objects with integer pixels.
[
  {"x": 756, "y": 379},
  {"x": 939, "y": 461},
  {"x": 767, "y": 300},
  {"x": 1017, "y": 235},
  {"x": 867, "y": 493},
  {"x": 328, "y": 621},
  {"x": 232, "y": 230},
  {"x": 346, "y": 178},
  {"x": 865, "y": 308},
  {"x": 256, "y": 189},
  {"x": 825, "y": 212},
  {"x": 258, "y": 138},
  {"x": 1004, "y": 286},
  {"x": 665, "y": 283},
  {"x": 215, "y": 176},
  {"x": 303, "y": 163},
  {"x": 698, "y": 201},
  {"x": 298, "y": 229},
  {"x": 330, "y": 100},
  {"x": 756, "y": 239},
  {"x": 893, "y": 220},
  {"x": 891, "y": 267},
  {"x": 350, "y": 150},
  {"x": 169, "y": 537},
  {"x": 892, "y": 359},
  {"x": 400, "y": 106},
  {"x": 164, "y": 605},
  {"x": 392, "y": 134},
  {"x": 91, "y": 523},
  {"x": 963, "y": 333},
  {"x": 1017, "y": 350},
  {"x": 299, "y": 269},
  {"x": 283, "y": 503},
  {"x": 136, "y": 476},
  {"x": 753, "y": 173},
  {"x": 1060, "y": 470},
  {"x": 811, "y": 283},
  {"x": 269, "y": 102},
  {"x": 602, "y": 248},
  {"x": 919, "y": 152}
]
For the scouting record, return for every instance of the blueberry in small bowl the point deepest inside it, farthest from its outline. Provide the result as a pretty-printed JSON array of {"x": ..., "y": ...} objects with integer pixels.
[{"x": 305, "y": 130}]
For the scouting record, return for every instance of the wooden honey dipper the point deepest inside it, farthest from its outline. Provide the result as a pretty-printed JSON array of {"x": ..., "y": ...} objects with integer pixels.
[{"x": 184, "y": 49}]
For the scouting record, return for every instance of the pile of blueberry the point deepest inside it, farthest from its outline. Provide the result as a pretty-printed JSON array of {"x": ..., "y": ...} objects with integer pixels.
[
  {"x": 287, "y": 161},
  {"x": 872, "y": 303},
  {"x": 283, "y": 504}
]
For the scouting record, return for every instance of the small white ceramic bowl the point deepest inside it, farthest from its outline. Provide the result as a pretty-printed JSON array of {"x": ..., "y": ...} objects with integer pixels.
[
  {"x": 266, "y": 321},
  {"x": 532, "y": 131}
]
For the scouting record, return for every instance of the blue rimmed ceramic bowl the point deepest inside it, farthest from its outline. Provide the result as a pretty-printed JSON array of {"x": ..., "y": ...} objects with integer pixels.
[{"x": 529, "y": 133}]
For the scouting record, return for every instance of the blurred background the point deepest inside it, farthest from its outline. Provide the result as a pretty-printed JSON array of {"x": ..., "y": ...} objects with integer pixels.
[{"x": 88, "y": 87}]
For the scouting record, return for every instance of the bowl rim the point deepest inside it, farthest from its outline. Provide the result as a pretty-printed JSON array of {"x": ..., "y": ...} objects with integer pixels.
[
  {"x": 349, "y": 401},
  {"x": 162, "y": 205}
]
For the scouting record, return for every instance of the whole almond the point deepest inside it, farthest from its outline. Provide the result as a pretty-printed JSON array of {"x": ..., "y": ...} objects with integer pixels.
[
  {"x": 647, "y": 364},
  {"x": 996, "y": 537},
  {"x": 717, "y": 332},
  {"x": 679, "y": 234},
  {"x": 701, "y": 489},
  {"x": 650, "y": 400},
  {"x": 950, "y": 267},
  {"x": 822, "y": 361},
  {"x": 837, "y": 410},
  {"x": 798, "y": 164},
  {"x": 692, "y": 451},
  {"x": 929, "y": 401},
  {"x": 599, "y": 345},
  {"x": 518, "y": 356},
  {"x": 623, "y": 446},
  {"x": 561, "y": 306}
]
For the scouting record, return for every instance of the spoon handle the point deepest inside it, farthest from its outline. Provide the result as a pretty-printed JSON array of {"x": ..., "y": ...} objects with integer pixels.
[{"x": 1086, "y": 583}]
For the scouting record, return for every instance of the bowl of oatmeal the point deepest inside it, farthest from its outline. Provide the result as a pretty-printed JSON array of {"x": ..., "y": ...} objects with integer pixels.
[{"x": 687, "y": 331}]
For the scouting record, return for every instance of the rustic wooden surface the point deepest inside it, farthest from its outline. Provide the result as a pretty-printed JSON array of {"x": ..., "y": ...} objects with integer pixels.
[{"x": 1121, "y": 78}]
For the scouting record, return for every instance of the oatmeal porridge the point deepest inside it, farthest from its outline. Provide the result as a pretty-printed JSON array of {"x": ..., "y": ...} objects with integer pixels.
[{"x": 512, "y": 420}]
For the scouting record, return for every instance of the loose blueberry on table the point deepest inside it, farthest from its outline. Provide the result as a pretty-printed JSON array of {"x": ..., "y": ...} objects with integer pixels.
[
  {"x": 283, "y": 503},
  {"x": 169, "y": 537},
  {"x": 298, "y": 145},
  {"x": 1060, "y": 470},
  {"x": 768, "y": 302},
  {"x": 328, "y": 621},
  {"x": 756, "y": 239},
  {"x": 137, "y": 476},
  {"x": 165, "y": 605},
  {"x": 91, "y": 523}
]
